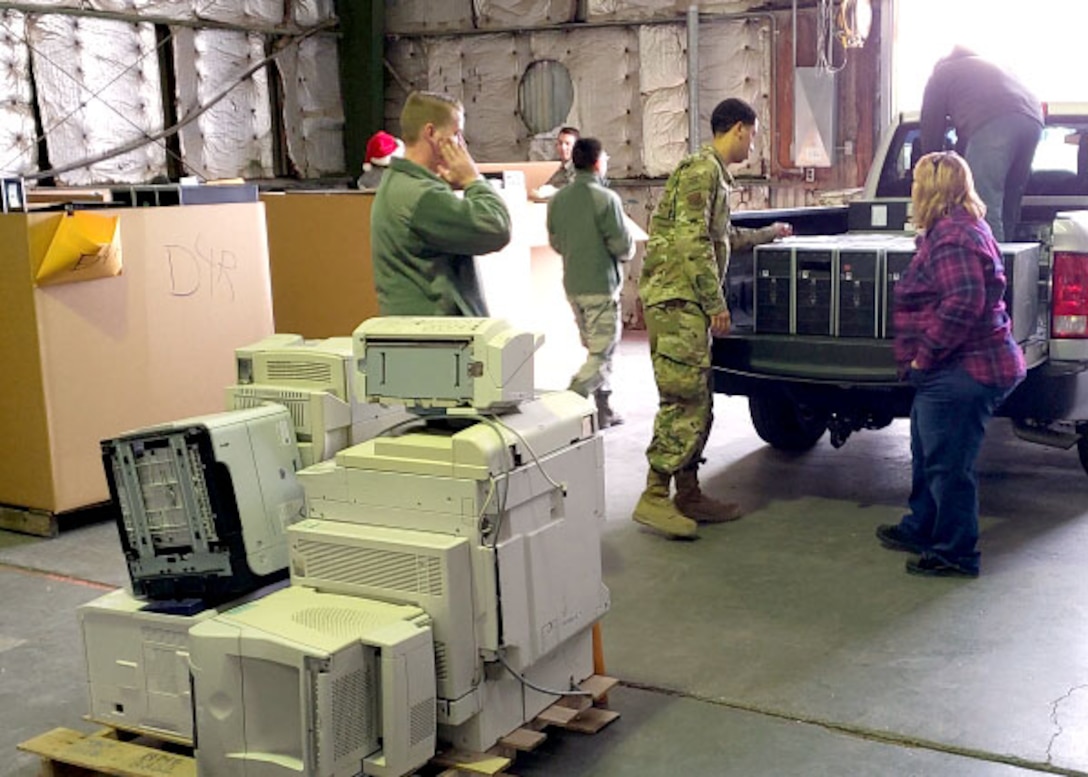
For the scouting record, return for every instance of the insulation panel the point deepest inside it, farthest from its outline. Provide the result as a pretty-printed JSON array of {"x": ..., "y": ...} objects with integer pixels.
[
  {"x": 630, "y": 84},
  {"x": 482, "y": 72},
  {"x": 98, "y": 89},
  {"x": 241, "y": 12},
  {"x": 313, "y": 111},
  {"x": 427, "y": 16},
  {"x": 664, "y": 91},
  {"x": 232, "y": 138},
  {"x": 735, "y": 61},
  {"x": 406, "y": 71},
  {"x": 159, "y": 9},
  {"x": 18, "y": 142},
  {"x": 492, "y": 14},
  {"x": 308, "y": 13},
  {"x": 642, "y": 10}
]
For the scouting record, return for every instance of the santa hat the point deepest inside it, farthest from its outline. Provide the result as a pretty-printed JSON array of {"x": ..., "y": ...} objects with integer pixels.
[{"x": 381, "y": 148}]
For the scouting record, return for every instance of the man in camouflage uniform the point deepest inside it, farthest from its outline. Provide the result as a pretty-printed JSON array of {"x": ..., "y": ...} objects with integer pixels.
[{"x": 681, "y": 289}]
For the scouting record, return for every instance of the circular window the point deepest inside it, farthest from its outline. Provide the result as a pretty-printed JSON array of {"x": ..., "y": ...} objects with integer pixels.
[{"x": 545, "y": 95}]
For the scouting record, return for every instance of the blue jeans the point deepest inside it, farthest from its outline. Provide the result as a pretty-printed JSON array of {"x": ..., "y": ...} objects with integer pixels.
[
  {"x": 999, "y": 155},
  {"x": 947, "y": 424}
]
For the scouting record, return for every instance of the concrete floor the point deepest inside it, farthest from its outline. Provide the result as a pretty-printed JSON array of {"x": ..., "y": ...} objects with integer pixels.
[{"x": 788, "y": 643}]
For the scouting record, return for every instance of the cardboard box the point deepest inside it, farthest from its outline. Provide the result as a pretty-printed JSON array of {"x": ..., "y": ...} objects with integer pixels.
[
  {"x": 319, "y": 257},
  {"x": 536, "y": 173},
  {"x": 90, "y": 360}
]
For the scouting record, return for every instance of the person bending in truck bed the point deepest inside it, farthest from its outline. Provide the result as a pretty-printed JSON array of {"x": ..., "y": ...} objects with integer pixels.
[
  {"x": 423, "y": 236},
  {"x": 681, "y": 289},
  {"x": 953, "y": 342},
  {"x": 998, "y": 122}
]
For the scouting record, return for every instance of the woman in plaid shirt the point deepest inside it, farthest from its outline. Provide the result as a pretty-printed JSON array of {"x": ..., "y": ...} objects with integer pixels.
[{"x": 954, "y": 344}]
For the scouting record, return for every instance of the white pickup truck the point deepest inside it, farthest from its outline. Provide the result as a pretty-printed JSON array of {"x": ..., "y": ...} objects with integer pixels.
[{"x": 811, "y": 345}]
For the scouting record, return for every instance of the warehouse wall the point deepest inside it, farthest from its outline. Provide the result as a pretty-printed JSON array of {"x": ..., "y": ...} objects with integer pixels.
[
  {"x": 211, "y": 88},
  {"x": 628, "y": 62}
]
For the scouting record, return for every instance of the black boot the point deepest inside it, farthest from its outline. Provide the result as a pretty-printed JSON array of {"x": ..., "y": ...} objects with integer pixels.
[{"x": 606, "y": 417}]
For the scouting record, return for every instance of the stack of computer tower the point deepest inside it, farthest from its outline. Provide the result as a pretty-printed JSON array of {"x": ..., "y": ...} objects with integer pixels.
[{"x": 844, "y": 285}]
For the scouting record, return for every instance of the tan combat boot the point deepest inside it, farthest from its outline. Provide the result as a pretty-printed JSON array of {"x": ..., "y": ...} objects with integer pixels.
[
  {"x": 656, "y": 510},
  {"x": 693, "y": 503},
  {"x": 606, "y": 416}
]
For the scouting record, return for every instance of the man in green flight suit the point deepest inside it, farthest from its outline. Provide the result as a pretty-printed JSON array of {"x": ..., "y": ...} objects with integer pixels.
[
  {"x": 423, "y": 236},
  {"x": 586, "y": 227},
  {"x": 681, "y": 290}
]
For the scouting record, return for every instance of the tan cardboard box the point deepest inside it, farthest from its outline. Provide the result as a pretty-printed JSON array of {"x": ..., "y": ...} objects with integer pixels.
[
  {"x": 90, "y": 360},
  {"x": 319, "y": 254}
]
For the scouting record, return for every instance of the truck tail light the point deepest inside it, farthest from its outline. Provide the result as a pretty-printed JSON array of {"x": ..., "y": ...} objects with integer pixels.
[{"x": 1070, "y": 300}]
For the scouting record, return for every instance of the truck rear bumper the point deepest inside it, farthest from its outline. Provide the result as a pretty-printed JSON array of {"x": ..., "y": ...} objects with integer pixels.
[
  {"x": 1054, "y": 391},
  {"x": 828, "y": 360},
  {"x": 839, "y": 372}
]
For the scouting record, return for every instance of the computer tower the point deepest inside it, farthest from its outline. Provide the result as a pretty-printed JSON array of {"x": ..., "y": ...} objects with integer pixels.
[
  {"x": 895, "y": 264},
  {"x": 858, "y": 272},
  {"x": 771, "y": 313},
  {"x": 813, "y": 290}
]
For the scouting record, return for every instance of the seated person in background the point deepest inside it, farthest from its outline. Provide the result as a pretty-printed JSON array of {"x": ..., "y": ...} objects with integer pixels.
[
  {"x": 424, "y": 237},
  {"x": 564, "y": 147},
  {"x": 586, "y": 226},
  {"x": 380, "y": 150}
]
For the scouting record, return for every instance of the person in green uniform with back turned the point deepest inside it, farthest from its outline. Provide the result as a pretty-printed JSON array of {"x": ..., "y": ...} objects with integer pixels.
[
  {"x": 681, "y": 290},
  {"x": 586, "y": 227},
  {"x": 423, "y": 235}
]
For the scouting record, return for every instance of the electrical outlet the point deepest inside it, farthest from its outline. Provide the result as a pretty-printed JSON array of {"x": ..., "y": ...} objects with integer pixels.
[{"x": 810, "y": 175}]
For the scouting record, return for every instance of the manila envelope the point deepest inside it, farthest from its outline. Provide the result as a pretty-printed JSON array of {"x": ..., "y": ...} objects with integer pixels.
[{"x": 84, "y": 246}]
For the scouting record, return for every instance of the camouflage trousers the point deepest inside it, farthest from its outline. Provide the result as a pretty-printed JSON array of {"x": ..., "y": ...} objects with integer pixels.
[
  {"x": 680, "y": 353},
  {"x": 598, "y": 317}
]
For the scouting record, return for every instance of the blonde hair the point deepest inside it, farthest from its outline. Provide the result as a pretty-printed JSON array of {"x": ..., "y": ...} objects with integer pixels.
[
  {"x": 423, "y": 108},
  {"x": 943, "y": 183}
]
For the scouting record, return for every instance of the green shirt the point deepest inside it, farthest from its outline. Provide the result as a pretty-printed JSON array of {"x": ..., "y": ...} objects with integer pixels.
[
  {"x": 585, "y": 225},
  {"x": 691, "y": 236},
  {"x": 423, "y": 238}
]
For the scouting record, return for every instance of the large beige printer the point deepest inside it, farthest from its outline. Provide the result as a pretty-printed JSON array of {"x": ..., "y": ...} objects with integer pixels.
[{"x": 486, "y": 514}]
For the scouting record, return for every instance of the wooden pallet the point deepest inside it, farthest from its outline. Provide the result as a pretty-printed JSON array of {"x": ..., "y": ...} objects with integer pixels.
[
  {"x": 111, "y": 752},
  {"x": 571, "y": 713},
  {"x": 69, "y": 753},
  {"x": 45, "y": 523}
]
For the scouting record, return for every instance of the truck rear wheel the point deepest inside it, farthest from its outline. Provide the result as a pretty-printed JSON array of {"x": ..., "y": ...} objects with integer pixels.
[
  {"x": 1082, "y": 450},
  {"x": 785, "y": 424}
]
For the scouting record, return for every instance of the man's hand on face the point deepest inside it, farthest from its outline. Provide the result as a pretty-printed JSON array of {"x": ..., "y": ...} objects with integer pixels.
[{"x": 456, "y": 167}]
